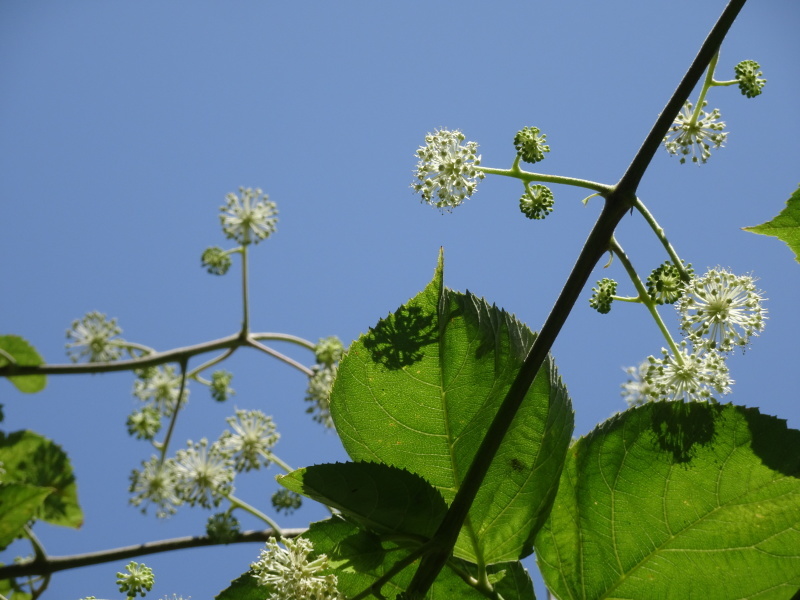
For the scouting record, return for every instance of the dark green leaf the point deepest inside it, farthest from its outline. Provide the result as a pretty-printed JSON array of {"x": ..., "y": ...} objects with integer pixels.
[
  {"x": 674, "y": 500},
  {"x": 19, "y": 503},
  {"x": 30, "y": 458},
  {"x": 244, "y": 587},
  {"x": 786, "y": 226},
  {"x": 25, "y": 355},
  {"x": 360, "y": 558},
  {"x": 419, "y": 390},
  {"x": 382, "y": 498}
]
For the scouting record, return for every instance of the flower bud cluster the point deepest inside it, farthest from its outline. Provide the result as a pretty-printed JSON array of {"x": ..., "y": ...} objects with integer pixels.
[
  {"x": 160, "y": 387},
  {"x": 328, "y": 352},
  {"x": 448, "y": 170},
  {"x": 220, "y": 385},
  {"x": 286, "y": 501},
  {"x": 664, "y": 284},
  {"x": 216, "y": 260},
  {"x": 223, "y": 528},
  {"x": 537, "y": 201},
  {"x": 603, "y": 295},
  {"x": 749, "y": 78},
  {"x": 138, "y": 580},
  {"x": 530, "y": 145}
]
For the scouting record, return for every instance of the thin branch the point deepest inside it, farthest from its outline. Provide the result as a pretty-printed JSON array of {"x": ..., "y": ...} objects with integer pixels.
[
  {"x": 61, "y": 563},
  {"x": 151, "y": 360}
]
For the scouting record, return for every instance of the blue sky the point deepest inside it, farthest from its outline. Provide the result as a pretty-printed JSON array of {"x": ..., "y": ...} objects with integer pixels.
[{"x": 125, "y": 124}]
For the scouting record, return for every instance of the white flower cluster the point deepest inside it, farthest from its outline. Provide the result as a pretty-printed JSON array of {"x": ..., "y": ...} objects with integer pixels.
[
  {"x": 695, "y": 134},
  {"x": 93, "y": 337},
  {"x": 251, "y": 441},
  {"x": 447, "y": 172},
  {"x": 290, "y": 575},
  {"x": 719, "y": 311},
  {"x": 250, "y": 217}
]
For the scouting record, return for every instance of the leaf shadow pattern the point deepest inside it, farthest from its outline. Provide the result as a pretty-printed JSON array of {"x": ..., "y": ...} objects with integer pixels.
[
  {"x": 775, "y": 444},
  {"x": 398, "y": 340},
  {"x": 680, "y": 426}
]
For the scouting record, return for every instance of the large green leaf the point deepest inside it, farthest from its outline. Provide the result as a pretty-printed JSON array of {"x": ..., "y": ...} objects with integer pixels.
[
  {"x": 23, "y": 354},
  {"x": 19, "y": 503},
  {"x": 785, "y": 226},
  {"x": 673, "y": 500},
  {"x": 419, "y": 391},
  {"x": 30, "y": 458},
  {"x": 385, "y": 499}
]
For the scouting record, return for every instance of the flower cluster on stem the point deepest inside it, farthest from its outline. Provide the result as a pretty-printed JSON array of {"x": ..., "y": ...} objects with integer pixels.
[{"x": 290, "y": 574}]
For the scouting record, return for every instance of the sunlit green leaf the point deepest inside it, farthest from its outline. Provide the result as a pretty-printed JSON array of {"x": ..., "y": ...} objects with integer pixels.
[
  {"x": 25, "y": 355},
  {"x": 383, "y": 498},
  {"x": 244, "y": 587},
  {"x": 674, "y": 500},
  {"x": 419, "y": 391},
  {"x": 19, "y": 503},
  {"x": 28, "y": 457},
  {"x": 785, "y": 226}
]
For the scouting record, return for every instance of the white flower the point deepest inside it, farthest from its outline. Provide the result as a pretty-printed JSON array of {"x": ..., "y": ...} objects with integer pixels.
[
  {"x": 636, "y": 390},
  {"x": 160, "y": 386},
  {"x": 318, "y": 393},
  {"x": 721, "y": 310},
  {"x": 447, "y": 172},
  {"x": 248, "y": 219},
  {"x": 690, "y": 135},
  {"x": 252, "y": 439},
  {"x": 92, "y": 336},
  {"x": 290, "y": 575},
  {"x": 692, "y": 375},
  {"x": 204, "y": 473},
  {"x": 155, "y": 484}
]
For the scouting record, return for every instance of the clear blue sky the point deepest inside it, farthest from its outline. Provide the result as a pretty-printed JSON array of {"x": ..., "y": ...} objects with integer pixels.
[{"x": 125, "y": 124}]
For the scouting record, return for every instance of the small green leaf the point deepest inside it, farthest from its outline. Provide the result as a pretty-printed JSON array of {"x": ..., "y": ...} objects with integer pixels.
[
  {"x": 382, "y": 498},
  {"x": 28, "y": 457},
  {"x": 786, "y": 226},
  {"x": 23, "y": 354},
  {"x": 419, "y": 391},
  {"x": 12, "y": 592},
  {"x": 674, "y": 500},
  {"x": 19, "y": 503}
]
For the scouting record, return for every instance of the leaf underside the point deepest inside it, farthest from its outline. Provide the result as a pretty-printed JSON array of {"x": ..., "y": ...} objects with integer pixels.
[
  {"x": 673, "y": 500},
  {"x": 785, "y": 226}
]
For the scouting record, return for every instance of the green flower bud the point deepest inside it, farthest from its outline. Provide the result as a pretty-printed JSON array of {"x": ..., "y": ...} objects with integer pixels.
[
  {"x": 603, "y": 295},
  {"x": 220, "y": 385},
  {"x": 537, "y": 201},
  {"x": 223, "y": 528},
  {"x": 530, "y": 145},
  {"x": 664, "y": 284},
  {"x": 747, "y": 73},
  {"x": 286, "y": 501},
  {"x": 216, "y": 260},
  {"x": 137, "y": 581},
  {"x": 329, "y": 350},
  {"x": 144, "y": 424}
]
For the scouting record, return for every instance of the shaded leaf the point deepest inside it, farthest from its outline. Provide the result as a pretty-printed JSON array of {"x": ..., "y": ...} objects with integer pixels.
[
  {"x": 30, "y": 458},
  {"x": 674, "y": 500},
  {"x": 19, "y": 502},
  {"x": 419, "y": 391},
  {"x": 244, "y": 587},
  {"x": 382, "y": 498},
  {"x": 785, "y": 226},
  {"x": 360, "y": 558},
  {"x": 24, "y": 355}
]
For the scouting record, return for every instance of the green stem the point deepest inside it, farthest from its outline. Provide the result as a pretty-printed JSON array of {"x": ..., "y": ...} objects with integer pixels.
[
  {"x": 662, "y": 237},
  {"x": 282, "y": 357},
  {"x": 164, "y": 446},
  {"x": 238, "y": 503},
  {"x": 528, "y": 177},
  {"x": 644, "y": 297},
  {"x": 707, "y": 84},
  {"x": 245, "y": 295}
]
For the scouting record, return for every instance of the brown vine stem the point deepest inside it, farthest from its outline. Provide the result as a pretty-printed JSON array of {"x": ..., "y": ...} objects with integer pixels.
[
  {"x": 52, "y": 564},
  {"x": 618, "y": 201}
]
